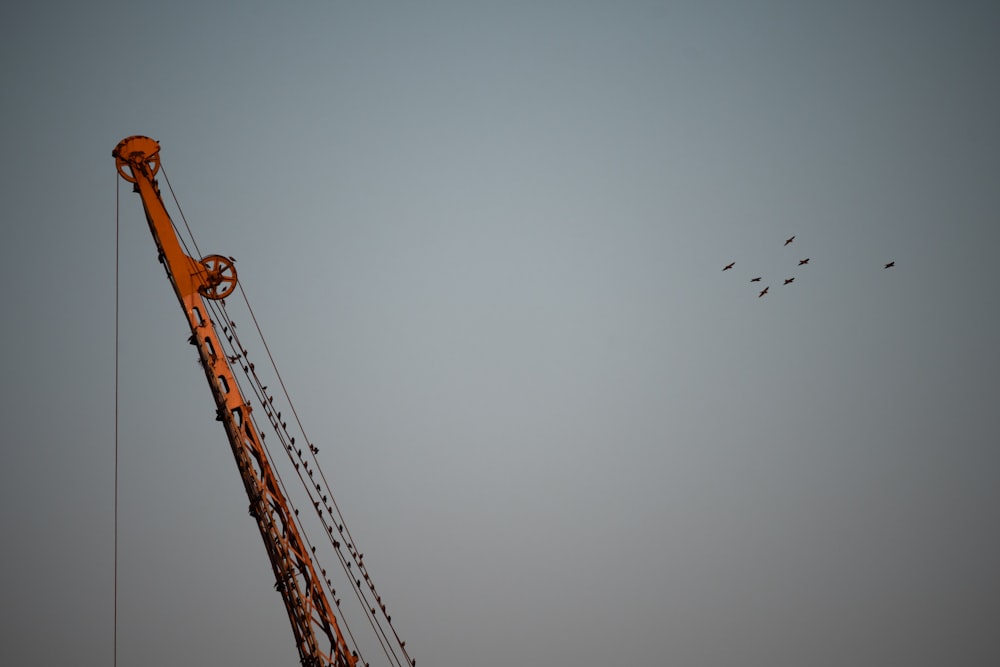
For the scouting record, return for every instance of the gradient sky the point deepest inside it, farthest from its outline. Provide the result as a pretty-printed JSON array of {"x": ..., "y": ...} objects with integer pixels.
[{"x": 484, "y": 242}]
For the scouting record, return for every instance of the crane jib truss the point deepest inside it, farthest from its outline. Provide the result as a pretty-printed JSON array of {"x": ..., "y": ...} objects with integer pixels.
[{"x": 317, "y": 634}]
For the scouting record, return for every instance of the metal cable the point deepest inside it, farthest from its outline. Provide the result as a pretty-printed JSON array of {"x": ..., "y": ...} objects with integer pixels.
[
  {"x": 356, "y": 554},
  {"x": 259, "y": 391},
  {"x": 181, "y": 211},
  {"x": 114, "y": 660}
]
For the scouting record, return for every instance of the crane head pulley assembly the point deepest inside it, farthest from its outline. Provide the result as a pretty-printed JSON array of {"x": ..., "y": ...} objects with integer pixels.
[{"x": 137, "y": 159}]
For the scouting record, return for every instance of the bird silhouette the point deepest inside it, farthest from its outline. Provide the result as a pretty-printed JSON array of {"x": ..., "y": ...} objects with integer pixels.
[
  {"x": 755, "y": 280},
  {"x": 787, "y": 241},
  {"x": 789, "y": 281},
  {"x": 729, "y": 266},
  {"x": 764, "y": 291},
  {"x": 889, "y": 265},
  {"x": 803, "y": 261}
]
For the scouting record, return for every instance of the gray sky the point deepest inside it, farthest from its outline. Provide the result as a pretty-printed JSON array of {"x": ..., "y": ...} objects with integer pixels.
[{"x": 484, "y": 242}]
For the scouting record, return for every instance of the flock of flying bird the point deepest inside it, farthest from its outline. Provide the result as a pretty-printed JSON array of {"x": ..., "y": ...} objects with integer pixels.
[{"x": 788, "y": 281}]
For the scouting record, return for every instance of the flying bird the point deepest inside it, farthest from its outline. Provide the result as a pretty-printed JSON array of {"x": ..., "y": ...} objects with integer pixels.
[
  {"x": 755, "y": 280},
  {"x": 764, "y": 291},
  {"x": 729, "y": 266},
  {"x": 803, "y": 261},
  {"x": 889, "y": 265},
  {"x": 787, "y": 241},
  {"x": 789, "y": 281}
]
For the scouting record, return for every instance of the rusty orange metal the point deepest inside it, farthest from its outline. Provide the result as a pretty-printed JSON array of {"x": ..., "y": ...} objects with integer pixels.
[{"x": 137, "y": 159}]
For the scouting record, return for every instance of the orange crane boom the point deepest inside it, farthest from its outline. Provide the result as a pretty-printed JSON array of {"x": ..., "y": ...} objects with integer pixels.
[{"x": 317, "y": 634}]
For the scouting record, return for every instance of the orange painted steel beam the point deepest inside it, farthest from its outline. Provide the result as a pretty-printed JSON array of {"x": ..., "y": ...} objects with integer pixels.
[{"x": 137, "y": 159}]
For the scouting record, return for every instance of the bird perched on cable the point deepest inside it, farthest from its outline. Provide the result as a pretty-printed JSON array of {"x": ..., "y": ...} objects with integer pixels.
[
  {"x": 787, "y": 241},
  {"x": 789, "y": 281},
  {"x": 755, "y": 280},
  {"x": 729, "y": 266},
  {"x": 803, "y": 261},
  {"x": 764, "y": 291},
  {"x": 889, "y": 265}
]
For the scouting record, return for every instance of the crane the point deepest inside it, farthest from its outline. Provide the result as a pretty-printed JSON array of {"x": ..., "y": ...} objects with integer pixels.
[{"x": 196, "y": 282}]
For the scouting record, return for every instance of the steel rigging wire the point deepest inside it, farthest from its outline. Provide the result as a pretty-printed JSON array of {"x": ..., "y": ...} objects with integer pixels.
[
  {"x": 240, "y": 354},
  {"x": 114, "y": 651}
]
